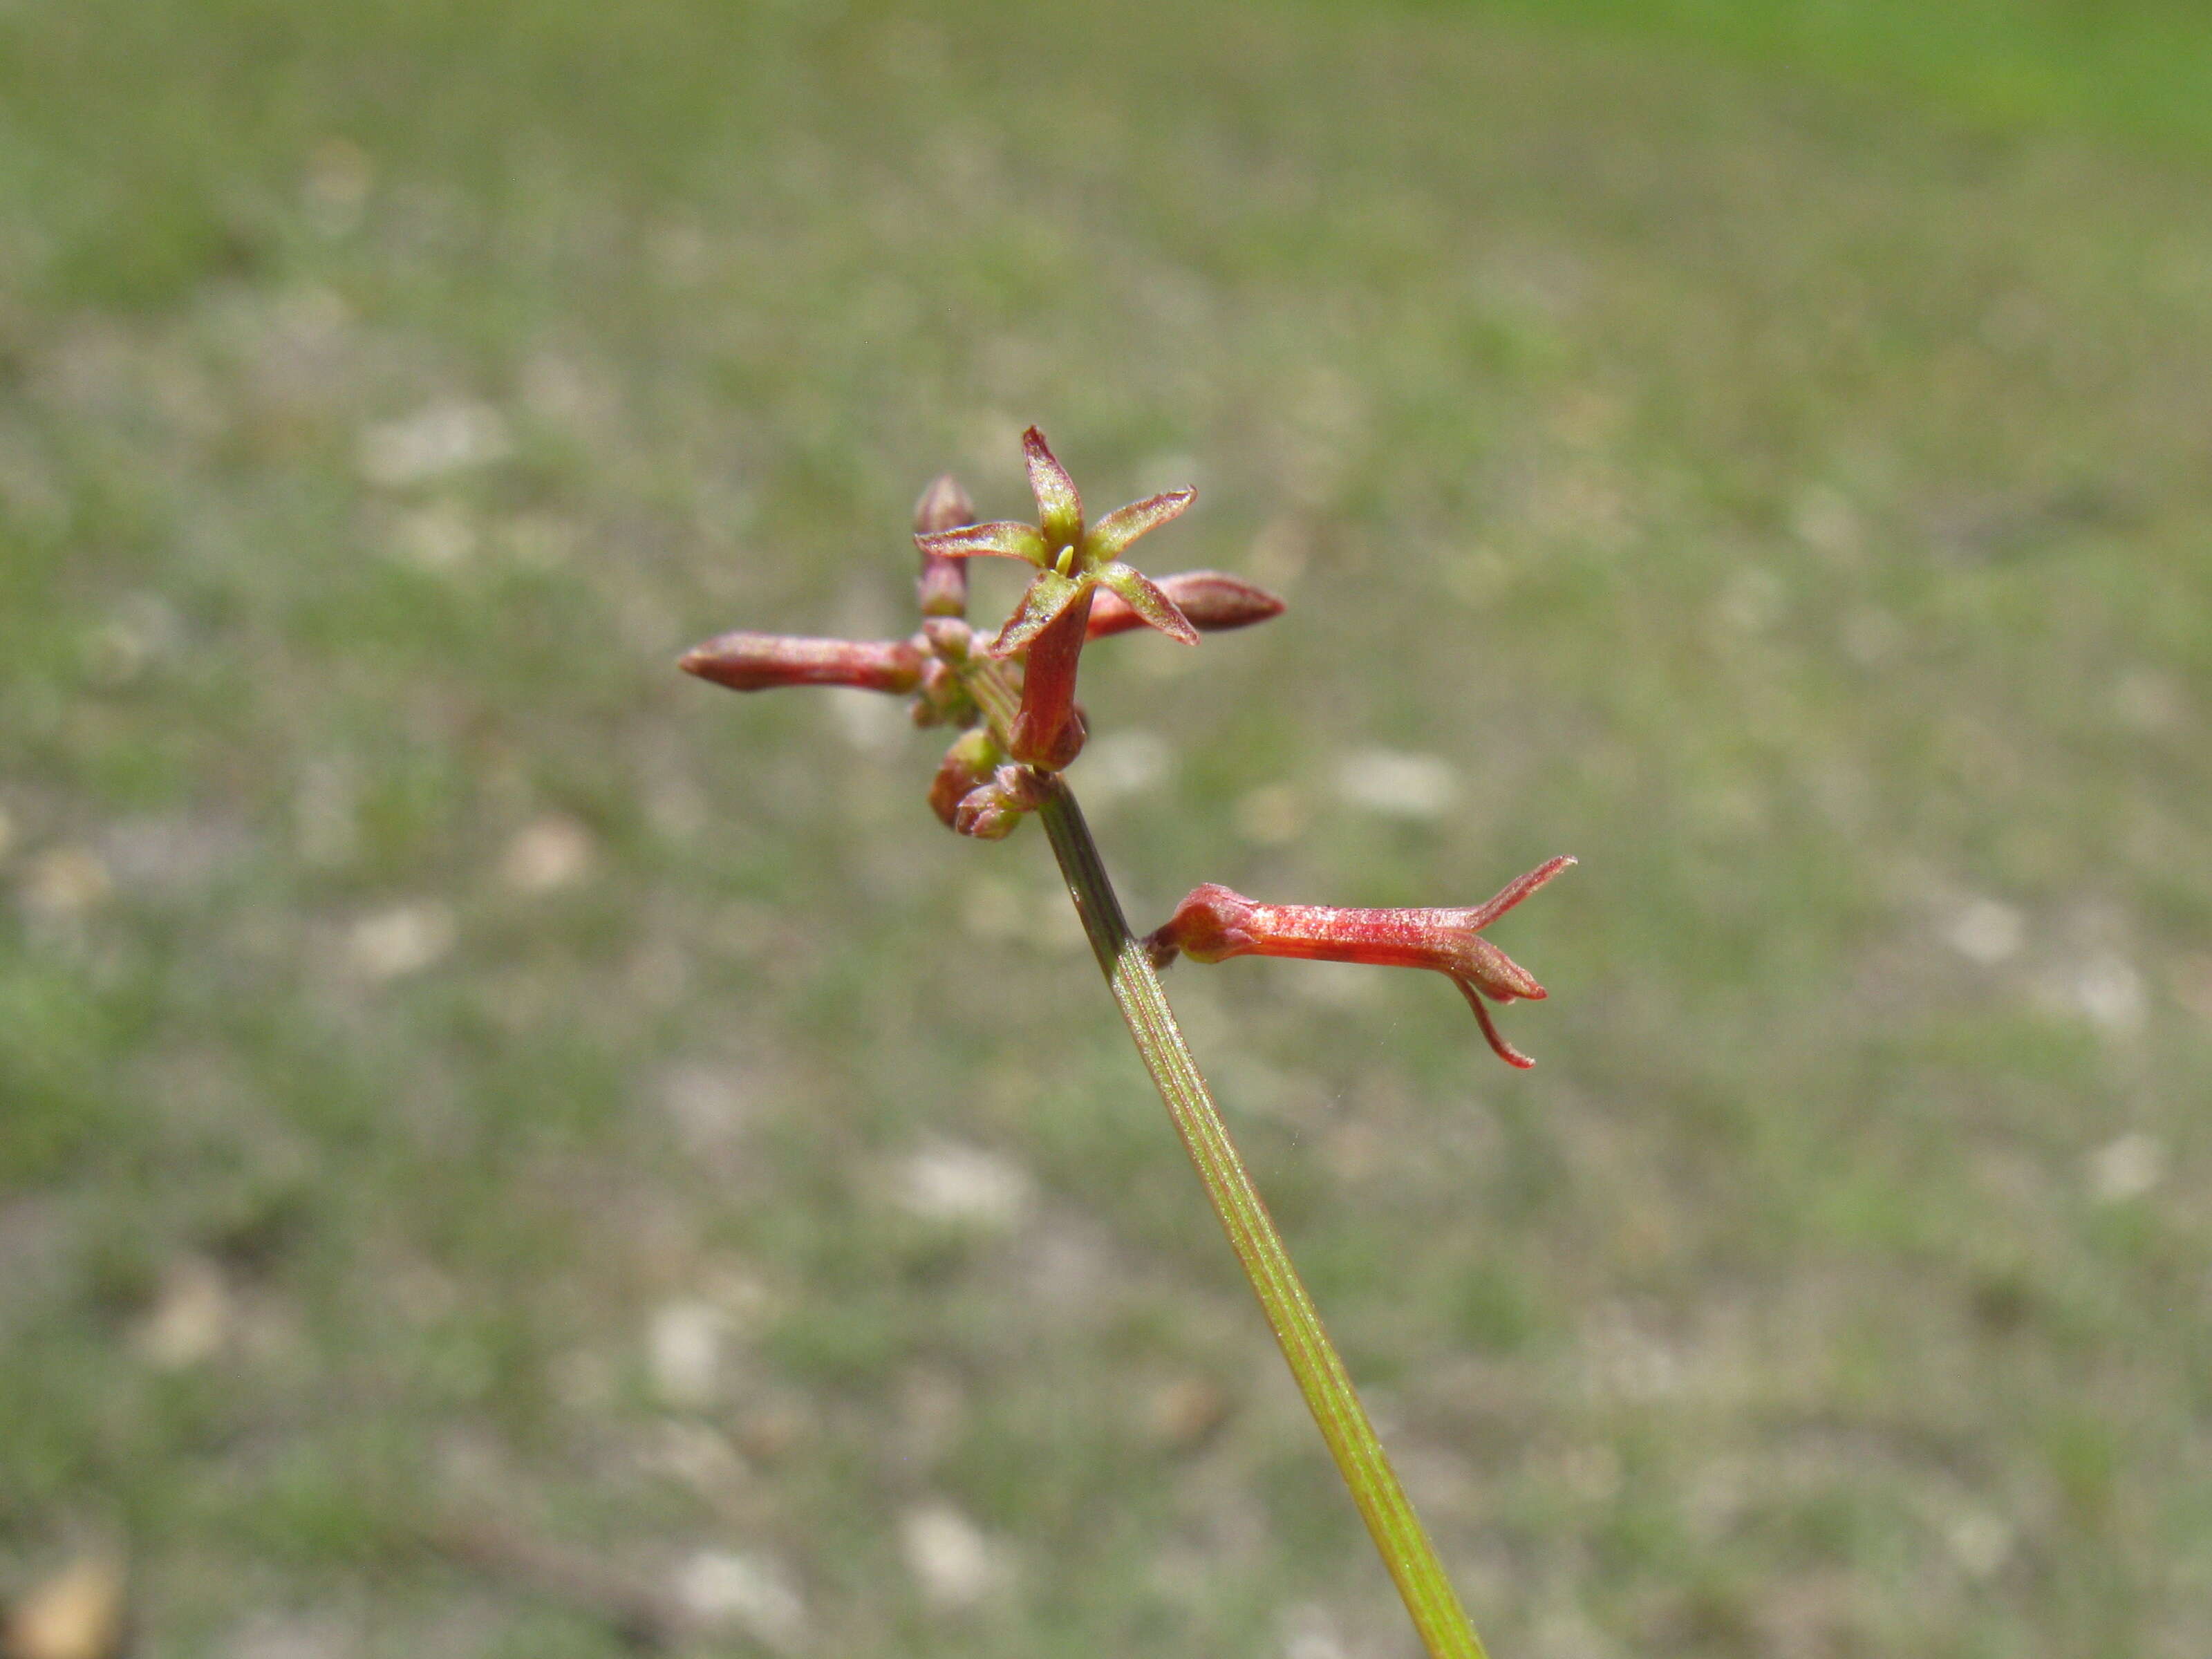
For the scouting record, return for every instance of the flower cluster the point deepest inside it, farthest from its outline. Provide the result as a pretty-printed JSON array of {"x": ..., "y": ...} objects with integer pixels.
[
  {"x": 1012, "y": 698},
  {"x": 1082, "y": 591}
]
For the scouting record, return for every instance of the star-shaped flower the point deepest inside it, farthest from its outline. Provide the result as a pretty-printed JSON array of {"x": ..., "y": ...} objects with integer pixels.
[{"x": 1073, "y": 561}]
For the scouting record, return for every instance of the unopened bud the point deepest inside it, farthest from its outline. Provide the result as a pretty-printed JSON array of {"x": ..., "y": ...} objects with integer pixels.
[
  {"x": 950, "y": 637},
  {"x": 986, "y": 815},
  {"x": 1214, "y": 601},
  {"x": 942, "y": 700},
  {"x": 756, "y": 662},
  {"x": 966, "y": 768},
  {"x": 996, "y": 810},
  {"x": 942, "y": 587}
]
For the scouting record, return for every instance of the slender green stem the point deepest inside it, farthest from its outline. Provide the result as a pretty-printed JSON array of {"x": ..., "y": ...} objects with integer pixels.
[{"x": 1290, "y": 1310}]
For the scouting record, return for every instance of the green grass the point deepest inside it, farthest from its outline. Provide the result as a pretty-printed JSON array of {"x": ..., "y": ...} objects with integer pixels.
[
  {"x": 2138, "y": 71},
  {"x": 1781, "y": 486}
]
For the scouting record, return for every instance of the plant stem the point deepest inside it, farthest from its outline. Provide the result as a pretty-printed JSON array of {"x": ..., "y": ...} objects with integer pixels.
[{"x": 1290, "y": 1311}]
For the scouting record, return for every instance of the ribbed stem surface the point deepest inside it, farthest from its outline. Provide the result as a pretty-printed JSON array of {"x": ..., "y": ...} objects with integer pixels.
[{"x": 1388, "y": 1513}]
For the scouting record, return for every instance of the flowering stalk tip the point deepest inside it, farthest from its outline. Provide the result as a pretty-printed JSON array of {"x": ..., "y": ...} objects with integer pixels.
[
  {"x": 1075, "y": 563},
  {"x": 1213, "y": 924}
]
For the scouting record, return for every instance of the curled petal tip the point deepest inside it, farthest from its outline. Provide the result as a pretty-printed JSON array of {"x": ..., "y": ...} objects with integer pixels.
[
  {"x": 1498, "y": 1045},
  {"x": 1516, "y": 890}
]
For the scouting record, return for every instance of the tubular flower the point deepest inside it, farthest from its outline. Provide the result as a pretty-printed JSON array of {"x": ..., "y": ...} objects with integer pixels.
[
  {"x": 1074, "y": 562},
  {"x": 1213, "y": 924}
]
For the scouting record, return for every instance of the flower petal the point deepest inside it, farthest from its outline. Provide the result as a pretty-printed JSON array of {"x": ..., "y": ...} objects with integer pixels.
[
  {"x": 1124, "y": 525},
  {"x": 1498, "y": 1045},
  {"x": 1515, "y": 891},
  {"x": 1001, "y": 540},
  {"x": 1059, "y": 507},
  {"x": 1501, "y": 978},
  {"x": 1142, "y": 595},
  {"x": 1211, "y": 600},
  {"x": 1048, "y": 595}
]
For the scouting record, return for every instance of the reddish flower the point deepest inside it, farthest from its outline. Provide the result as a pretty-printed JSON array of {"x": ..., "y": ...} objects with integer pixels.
[
  {"x": 1213, "y": 924},
  {"x": 1073, "y": 562}
]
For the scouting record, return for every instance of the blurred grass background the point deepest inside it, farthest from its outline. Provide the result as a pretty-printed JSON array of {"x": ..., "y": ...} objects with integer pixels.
[{"x": 506, "y": 1151}]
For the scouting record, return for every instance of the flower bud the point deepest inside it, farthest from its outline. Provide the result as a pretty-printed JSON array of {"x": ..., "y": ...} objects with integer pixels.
[
  {"x": 755, "y": 662},
  {"x": 967, "y": 766},
  {"x": 996, "y": 810},
  {"x": 942, "y": 700},
  {"x": 942, "y": 587},
  {"x": 950, "y": 637},
  {"x": 986, "y": 815},
  {"x": 1214, "y": 601}
]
